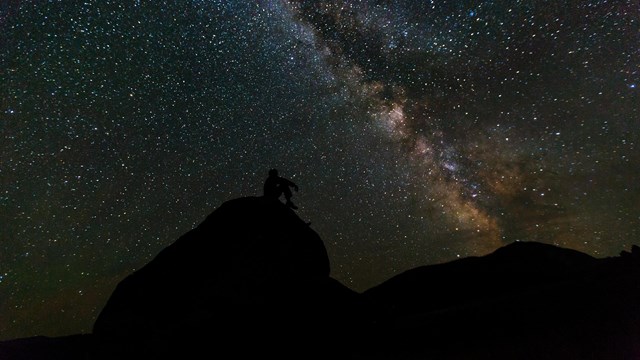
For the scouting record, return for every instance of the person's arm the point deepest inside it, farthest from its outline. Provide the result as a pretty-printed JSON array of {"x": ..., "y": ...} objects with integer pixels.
[{"x": 293, "y": 185}]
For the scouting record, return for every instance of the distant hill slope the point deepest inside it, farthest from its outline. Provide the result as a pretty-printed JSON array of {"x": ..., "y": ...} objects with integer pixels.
[
  {"x": 524, "y": 301},
  {"x": 515, "y": 267}
]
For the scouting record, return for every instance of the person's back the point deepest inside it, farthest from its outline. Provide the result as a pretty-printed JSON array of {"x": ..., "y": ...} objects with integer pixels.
[{"x": 271, "y": 185}]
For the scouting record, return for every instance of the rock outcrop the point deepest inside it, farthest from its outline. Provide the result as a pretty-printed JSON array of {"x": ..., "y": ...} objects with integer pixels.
[{"x": 251, "y": 273}]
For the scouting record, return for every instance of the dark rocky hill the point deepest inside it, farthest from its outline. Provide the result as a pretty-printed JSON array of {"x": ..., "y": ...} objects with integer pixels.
[
  {"x": 253, "y": 280},
  {"x": 524, "y": 301},
  {"x": 252, "y": 273},
  {"x": 517, "y": 267}
]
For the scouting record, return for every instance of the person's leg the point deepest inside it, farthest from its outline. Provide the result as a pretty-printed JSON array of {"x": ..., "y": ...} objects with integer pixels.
[
  {"x": 287, "y": 193},
  {"x": 287, "y": 196}
]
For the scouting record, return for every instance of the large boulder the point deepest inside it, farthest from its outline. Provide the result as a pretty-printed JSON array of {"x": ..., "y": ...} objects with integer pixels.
[{"x": 252, "y": 270}]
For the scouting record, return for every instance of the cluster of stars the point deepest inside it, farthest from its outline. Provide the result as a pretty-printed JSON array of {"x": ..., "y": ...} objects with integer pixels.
[{"x": 418, "y": 131}]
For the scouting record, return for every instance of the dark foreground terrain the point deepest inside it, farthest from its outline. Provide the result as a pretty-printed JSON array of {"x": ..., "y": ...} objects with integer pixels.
[{"x": 253, "y": 280}]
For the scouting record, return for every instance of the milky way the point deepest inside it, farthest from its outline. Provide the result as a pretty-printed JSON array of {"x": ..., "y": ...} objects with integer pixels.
[{"x": 418, "y": 131}]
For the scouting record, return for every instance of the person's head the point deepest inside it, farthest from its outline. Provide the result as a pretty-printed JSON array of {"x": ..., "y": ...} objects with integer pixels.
[{"x": 273, "y": 172}]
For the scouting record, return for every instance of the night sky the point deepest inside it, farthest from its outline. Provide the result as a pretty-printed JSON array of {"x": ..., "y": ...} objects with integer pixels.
[{"x": 418, "y": 131}]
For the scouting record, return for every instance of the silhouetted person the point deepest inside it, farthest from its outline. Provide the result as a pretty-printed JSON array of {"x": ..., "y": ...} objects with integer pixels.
[{"x": 275, "y": 186}]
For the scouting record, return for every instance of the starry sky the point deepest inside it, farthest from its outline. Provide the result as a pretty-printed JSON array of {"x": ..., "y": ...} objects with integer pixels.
[{"x": 418, "y": 131}]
